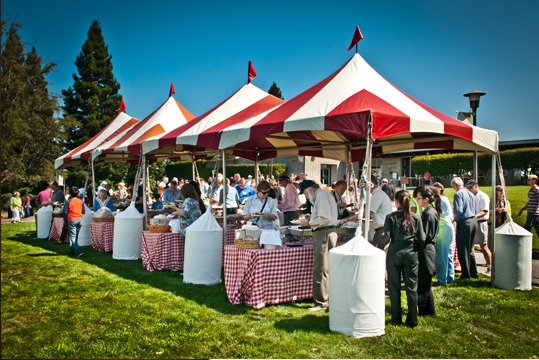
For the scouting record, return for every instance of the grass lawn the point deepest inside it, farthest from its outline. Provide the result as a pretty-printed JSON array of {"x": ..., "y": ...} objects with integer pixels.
[{"x": 54, "y": 306}]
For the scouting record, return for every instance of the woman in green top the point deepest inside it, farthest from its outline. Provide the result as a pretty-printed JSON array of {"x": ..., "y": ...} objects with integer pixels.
[{"x": 16, "y": 207}]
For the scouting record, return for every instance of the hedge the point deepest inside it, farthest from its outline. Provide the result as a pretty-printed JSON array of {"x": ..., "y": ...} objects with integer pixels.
[
  {"x": 183, "y": 169},
  {"x": 461, "y": 163}
]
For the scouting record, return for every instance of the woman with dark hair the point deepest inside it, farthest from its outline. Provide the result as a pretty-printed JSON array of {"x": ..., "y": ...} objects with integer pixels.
[
  {"x": 190, "y": 210},
  {"x": 389, "y": 189},
  {"x": 414, "y": 206},
  {"x": 404, "y": 231},
  {"x": 201, "y": 204},
  {"x": 430, "y": 218},
  {"x": 261, "y": 203}
]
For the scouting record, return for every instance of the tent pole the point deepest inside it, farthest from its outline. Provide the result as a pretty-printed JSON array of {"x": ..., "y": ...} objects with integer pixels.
[
  {"x": 224, "y": 198},
  {"x": 493, "y": 217},
  {"x": 347, "y": 175},
  {"x": 256, "y": 167},
  {"x": 193, "y": 166},
  {"x": 144, "y": 195},
  {"x": 93, "y": 183},
  {"x": 368, "y": 158}
]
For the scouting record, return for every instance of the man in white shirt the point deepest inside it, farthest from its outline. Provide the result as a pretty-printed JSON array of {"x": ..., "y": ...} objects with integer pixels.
[
  {"x": 322, "y": 221},
  {"x": 219, "y": 186},
  {"x": 380, "y": 208},
  {"x": 482, "y": 206}
]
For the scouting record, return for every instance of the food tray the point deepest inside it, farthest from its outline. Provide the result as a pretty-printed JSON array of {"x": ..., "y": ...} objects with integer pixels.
[{"x": 159, "y": 228}]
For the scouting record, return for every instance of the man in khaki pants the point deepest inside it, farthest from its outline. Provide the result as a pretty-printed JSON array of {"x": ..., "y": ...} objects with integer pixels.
[{"x": 322, "y": 221}]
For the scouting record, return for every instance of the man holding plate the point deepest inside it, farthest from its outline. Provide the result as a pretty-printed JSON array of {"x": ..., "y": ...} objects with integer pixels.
[{"x": 322, "y": 221}]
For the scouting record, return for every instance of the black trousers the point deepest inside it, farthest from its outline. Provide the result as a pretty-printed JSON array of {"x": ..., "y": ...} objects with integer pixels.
[
  {"x": 466, "y": 230},
  {"x": 402, "y": 256},
  {"x": 231, "y": 211},
  {"x": 289, "y": 216},
  {"x": 425, "y": 299}
]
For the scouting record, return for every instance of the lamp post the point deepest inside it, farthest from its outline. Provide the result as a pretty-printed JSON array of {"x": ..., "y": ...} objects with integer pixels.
[{"x": 474, "y": 96}]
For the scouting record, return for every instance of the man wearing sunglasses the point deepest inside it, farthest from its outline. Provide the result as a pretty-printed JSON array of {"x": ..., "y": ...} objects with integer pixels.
[
  {"x": 322, "y": 222},
  {"x": 532, "y": 205}
]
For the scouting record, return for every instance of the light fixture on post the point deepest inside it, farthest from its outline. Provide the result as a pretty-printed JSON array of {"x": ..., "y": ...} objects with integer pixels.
[{"x": 474, "y": 97}]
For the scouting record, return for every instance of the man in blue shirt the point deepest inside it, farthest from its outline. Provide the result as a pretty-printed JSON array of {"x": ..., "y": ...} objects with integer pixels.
[
  {"x": 172, "y": 193},
  {"x": 464, "y": 212},
  {"x": 244, "y": 191}
]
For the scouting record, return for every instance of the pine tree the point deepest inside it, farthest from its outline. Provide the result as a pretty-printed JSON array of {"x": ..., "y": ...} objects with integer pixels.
[
  {"x": 30, "y": 130},
  {"x": 93, "y": 101},
  {"x": 275, "y": 91}
]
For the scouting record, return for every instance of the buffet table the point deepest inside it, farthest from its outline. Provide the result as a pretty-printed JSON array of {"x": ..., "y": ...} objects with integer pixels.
[
  {"x": 102, "y": 235},
  {"x": 260, "y": 277},
  {"x": 56, "y": 229},
  {"x": 165, "y": 251}
]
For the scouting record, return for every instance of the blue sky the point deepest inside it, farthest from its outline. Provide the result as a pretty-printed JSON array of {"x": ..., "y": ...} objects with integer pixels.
[{"x": 433, "y": 50}]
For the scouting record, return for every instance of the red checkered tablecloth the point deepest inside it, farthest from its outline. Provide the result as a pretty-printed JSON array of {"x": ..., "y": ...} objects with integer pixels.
[
  {"x": 166, "y": 251},
  {"x": 56, "y": 229},
  {"x": 260, "y": 277},
  {"x": 102, "y": 235},
  {"x": 456, "y": 263}
]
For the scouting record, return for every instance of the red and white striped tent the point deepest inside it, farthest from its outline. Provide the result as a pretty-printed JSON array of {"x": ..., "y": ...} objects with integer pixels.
[
  {"x": 82, "y": 154},
  {"x": 191, "y": 139},
  {"x": 331, "y": 118},
  {"x": 127, "y": 146}
]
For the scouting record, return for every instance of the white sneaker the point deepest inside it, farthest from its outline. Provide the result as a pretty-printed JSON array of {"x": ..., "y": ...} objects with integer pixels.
[{"x": 488, "y": 273}]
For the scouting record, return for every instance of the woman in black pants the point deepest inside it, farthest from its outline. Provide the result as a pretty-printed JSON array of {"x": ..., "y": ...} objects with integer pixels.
[
  {"x": 404, "y": 231},
  {"x": 430, "y": 218}
]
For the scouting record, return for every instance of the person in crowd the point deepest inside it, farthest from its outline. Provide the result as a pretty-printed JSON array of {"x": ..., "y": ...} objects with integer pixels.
[
  {"x": 160, "y": 192},
  {"x": 82, "y": 195},
  {"x": 339, "y": 189},
  {"x": 103, "y": 200},
  {"x": 404, "y": 232},
  {"x": 464, "y": 210},
  {"x": 430, "y": 217},
  {"x": 322, "y": 221},
  {"x": 278, "y": 194},
  {"x": 261, "y": 203},
  {"x": 204, "y": 188},
  {"x": 350, "y": 197},
  {"x": 532, "y": 205},
  {"x": 189, "y": 212},
  {"x": 16, "y": 207},
  {"x": 43, "y": 197},
  {"x": 172, "y": 193},
  {"x": 414, "y": 207},
  {"x": 108, "y": 187},
  {"x": 73, "y": 213},
  {"x": 156, "y": 188},
  {"x": 482, "y": 212},
  {"x": 445, "y": 267},
  {"x": 306, "y": 209},
  {"x": 249, "y": 180},
  {"x": 217, "y": 190},
  {"x": 232, "y": 199},
  {"x": 237, "y": 178},
  {"x": 244, "y": 191},
  {"x": 164, "y": 182},
  {"x": 201, "y": 204},
  {"x": 389, "y": 189},
  {"x": 503, "y": 207},
  {"x": 427, "y": 178},
  {"x": 383, "y": 182},
  {"x": 103, "y": 185},
  {"x": 290, "y": 203},
  {"x": 157, "y": 204},
  {"x": 27, "y": 206},
  {"x": 57, "y": 194},
  {"x": 121, "y": 193},
  {"x": 138, "y": 196}
]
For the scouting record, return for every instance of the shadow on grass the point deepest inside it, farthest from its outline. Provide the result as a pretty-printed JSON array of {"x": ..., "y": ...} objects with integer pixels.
[
  {"x": 313, "y": 323},
  {"x": 212, "y": 296}
]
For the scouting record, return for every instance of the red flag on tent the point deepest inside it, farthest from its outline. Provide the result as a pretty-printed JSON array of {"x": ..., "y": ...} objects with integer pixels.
[
  {"x": 122, "y": 106},
  {"x": 251, "y": 73},
  {"x": 172, "y": 91},
  {"x": 357, "y": 37}
]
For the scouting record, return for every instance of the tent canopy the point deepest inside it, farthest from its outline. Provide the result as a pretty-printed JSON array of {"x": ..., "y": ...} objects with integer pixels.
[
  {"x": 82, "y": 153},
  {"x": 127, "y": 146},
  {"x": 191, "y": 138},
  {"x": 331, "y": 118}
]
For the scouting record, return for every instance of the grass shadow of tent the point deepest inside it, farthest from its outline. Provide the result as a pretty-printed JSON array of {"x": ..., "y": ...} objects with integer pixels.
[
  {"x": 211, "y": 296},
  {"x": 308, "y": 323}
]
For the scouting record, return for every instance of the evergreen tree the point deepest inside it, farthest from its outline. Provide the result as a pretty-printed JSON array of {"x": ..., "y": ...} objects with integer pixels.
[
  {"x": 275, "y": 91},
  {"x": 93, "y": 101},
  {"x": 30, "y": 130}
]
